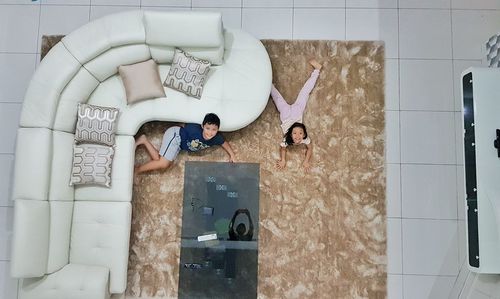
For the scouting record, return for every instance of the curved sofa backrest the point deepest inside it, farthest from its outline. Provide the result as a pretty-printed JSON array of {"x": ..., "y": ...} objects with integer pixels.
[
  {"x": 200, "y": 35},
  {"x": 74, "y": 68}
]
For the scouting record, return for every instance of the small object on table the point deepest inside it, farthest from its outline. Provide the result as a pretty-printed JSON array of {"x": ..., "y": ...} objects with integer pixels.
[{"x": 207, "y": 237}]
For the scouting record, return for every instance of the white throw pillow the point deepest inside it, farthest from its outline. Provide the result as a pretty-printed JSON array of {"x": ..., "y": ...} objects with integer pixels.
[{"x": 187, "y": 74}]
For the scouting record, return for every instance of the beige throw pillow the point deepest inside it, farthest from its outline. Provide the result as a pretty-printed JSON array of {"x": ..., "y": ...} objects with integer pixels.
[
  {"x": 187, "y": 74},
  {"x": 96, "y": 124},
  {"x": 91, "y": 164},
  {"x": 142, "y": 81}
]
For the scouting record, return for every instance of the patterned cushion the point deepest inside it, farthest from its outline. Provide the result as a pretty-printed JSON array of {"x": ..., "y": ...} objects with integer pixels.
[
  {"x": 96, "y": 124},
  {"x": 187, "y": 74},
  {"x": 91, "y": 164}
]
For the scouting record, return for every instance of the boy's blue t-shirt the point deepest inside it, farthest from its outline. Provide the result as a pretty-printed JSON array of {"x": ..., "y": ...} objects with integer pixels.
[{"x": 192, "y": 138}]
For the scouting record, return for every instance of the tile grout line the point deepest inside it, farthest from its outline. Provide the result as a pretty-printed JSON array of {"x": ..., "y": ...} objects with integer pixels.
[
  {"x": 38, "y": 32},
  {"x": 400, "y": 157},
  {"x": 345, "y": 19},
  {"x": 458, "y": 200},
  {"x": 293, "y": 18}
]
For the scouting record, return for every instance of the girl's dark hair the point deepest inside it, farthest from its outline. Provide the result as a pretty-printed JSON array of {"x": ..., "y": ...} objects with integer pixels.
[
  {"x": 211, "y": 119},
  {"x": 288, "y": 134}
]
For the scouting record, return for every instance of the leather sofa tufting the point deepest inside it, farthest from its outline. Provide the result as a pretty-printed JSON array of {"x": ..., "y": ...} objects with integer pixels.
[{"x": 73, "y": 242}]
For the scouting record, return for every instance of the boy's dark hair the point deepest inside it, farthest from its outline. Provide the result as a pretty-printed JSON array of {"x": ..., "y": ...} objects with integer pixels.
[
  {"x": 211, "y": 119},
  {"x": 288, "y": 134}
]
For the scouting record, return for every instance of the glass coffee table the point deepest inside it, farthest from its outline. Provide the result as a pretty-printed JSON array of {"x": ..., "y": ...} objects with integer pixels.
[{"x": 219, "y": 239}]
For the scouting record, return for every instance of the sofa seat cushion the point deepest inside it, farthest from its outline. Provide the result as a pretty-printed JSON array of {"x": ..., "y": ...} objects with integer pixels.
[
  {"x": 62, "y": 161},
  {"x": 73, "y": 281},
  {"x": 122, "y": 171},
  {"x": 100, "y": 236}
]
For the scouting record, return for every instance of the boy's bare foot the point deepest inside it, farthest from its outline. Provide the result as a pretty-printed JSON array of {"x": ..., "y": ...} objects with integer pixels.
[
  {"x": 316, "y": 65},
  {"x": 141, "y": 140}
]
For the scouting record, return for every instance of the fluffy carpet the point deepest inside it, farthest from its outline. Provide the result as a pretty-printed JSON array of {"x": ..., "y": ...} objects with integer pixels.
[{"x": 322, "y": 234}]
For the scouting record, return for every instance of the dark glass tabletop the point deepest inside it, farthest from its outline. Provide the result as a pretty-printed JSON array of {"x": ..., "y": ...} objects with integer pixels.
[{"x": 219, "y": 238}]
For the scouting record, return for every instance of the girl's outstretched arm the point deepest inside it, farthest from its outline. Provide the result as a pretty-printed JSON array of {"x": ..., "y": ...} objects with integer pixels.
[
  {"x": 306, "y": 164},
  {"x": 227, "y": 147},
  {"x": 281, "y": 163}
]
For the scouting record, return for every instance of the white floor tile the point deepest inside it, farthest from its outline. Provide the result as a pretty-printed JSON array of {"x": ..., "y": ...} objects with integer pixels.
[
  {"x": 267, "y": 3},
  {"x": 459, "y": 138},
  {"x": 23, "y": 2},
  {"x": 166, "y": 8},
  {"x": 19, "y": 25},
  {"x": 391, "y": 84},
  {"x": 6, "y": 217},
  {"x": 372, "y": 3},
  {"x": 429, "y": 191},
  {"x": 430, "y": 247},
  {"x": 476, "y": 294},
  {"x": 424, "y": 4},
  {"x": 319, "y": 3},
  {"x": 15, "y": 74},
  {"x": 461, "y": 200},
  {"x": 374, "y": 24},
  {"x": 231, "y": 17},
  {"x": 62, "y": 19},
  {"x": 327, "y": 23},
  {"x": 393, "y": 190},
  {"x": 468, "y": 285},
  {"x": 9, "y": 122},
  {"x": 271, "y": 23},
  {"x": 462, "y": 243},
  {"x": 394, "y": 286},
  {"x": 428, "y": 137},
  {"x": 6, "y": 173},
  {"x": 100, "y": 11},
  {"x": 392, "y": 142},
  {"x": 487, "y": 284},
  {"x": 65, "y": 2},
  {"x": 8, "y": 285},
  {"x": 394, "y": 261},
  {"x": 183, "y": 3},
  {"x": 424, "y": 33},
  {"x": 471, "y": 30},
  {"x": 429, "y": 287},
  {"x": 459, "y": 282},
  {"x": 217, "y": 3},
  {"x": 458, "y": 67},
  {"x": 114, "y": 2},
  {"x": 426, "y": 85},
  {"x": 476, "y": 4}
]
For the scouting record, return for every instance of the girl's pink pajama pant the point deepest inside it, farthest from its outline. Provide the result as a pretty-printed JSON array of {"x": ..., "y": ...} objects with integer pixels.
[{"x": 296, "y": 109}]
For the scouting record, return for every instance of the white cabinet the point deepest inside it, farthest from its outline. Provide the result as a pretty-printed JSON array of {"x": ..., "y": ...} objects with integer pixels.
[{"x": 481, "y": 119}]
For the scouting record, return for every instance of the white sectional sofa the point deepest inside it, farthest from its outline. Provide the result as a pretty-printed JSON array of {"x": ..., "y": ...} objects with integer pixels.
[{"x": 73, "y": 242}]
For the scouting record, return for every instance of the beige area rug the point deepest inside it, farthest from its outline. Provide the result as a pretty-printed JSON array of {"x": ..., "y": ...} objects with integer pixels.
[{"x": 322, "y": 234}]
